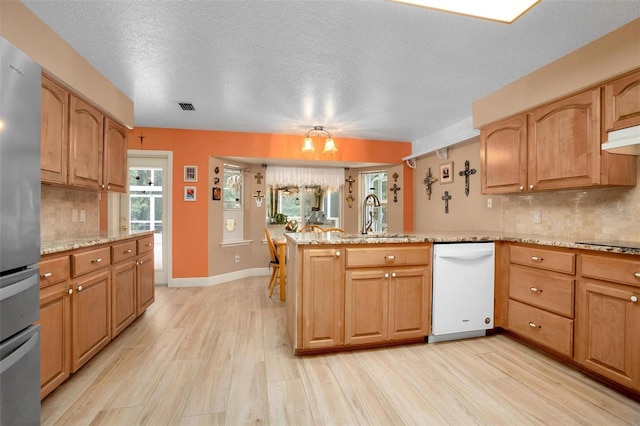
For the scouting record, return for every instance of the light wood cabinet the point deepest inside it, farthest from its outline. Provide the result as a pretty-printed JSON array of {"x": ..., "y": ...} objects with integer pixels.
[
  {"x": 555, "y": 146},
  {"x": 115, "y": 173},
  {"x": 54, "y": 145},
  {"x": 386, "y": 297},
  {"x": 503, "y": 155},
  {"x": 541, "y": 296},
  {"x": 622, "y": 102},
  {"x": 145, "y": 284},
  {"x": 322, "y": 298},
  {"x": 85, "y": 144},
  {"x": 55, "y": 323},
  {"x": 123, "y": 295},
  {"x": 608, "y": 317}
]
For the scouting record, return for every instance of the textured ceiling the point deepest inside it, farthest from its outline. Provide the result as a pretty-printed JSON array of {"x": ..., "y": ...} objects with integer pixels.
[{"x": 362, "y": 69}]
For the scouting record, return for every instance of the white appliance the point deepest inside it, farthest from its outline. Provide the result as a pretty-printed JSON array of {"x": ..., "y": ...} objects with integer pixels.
[{"x": 463, "y": 280}]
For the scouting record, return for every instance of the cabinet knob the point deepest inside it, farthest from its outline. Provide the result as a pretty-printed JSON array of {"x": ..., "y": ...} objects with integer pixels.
[
  {"x": 634, "y": 299},
  {"x": 70, "y": 291},
  {"x": 102, "y": 186},
  {"x": 393, "y": 274},
  {"x": 128, "y": 251},
  {"x": 338, "y": 253},
  {"x": 531, "y": 186},
  {"x": 534, "y": 325},
  {"x": 108, "y": 186},
  {"x": 140, "y": 262},
  {"x": 386, "y": 275},
  {"x": 98, "y": 260},
  {"x": 536, "y": 259},
  {"x": 535, "y": 290},
  {"x": 79, "y": 288},
  {"x": 46, "y": 275},
  {"x": 521, "y": 188},
  {"x": 637, "y": 275}
]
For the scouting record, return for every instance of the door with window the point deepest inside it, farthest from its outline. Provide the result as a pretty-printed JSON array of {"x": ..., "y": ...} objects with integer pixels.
[{"x": 145, "y": 205}]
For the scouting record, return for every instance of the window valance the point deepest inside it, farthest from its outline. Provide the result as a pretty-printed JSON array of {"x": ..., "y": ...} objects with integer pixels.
[{"x": 324, "y": 177}]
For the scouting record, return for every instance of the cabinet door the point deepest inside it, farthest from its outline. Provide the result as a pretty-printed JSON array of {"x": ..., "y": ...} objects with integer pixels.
[
  {"x": 409, "y": 303},
  {"x": 114, "y": 177},
  {"x": 622, "y": 102},
  {"x": 55, "y": 337},
  {"x": 608, "y": 330},
  {"x": 146, "y": 284},
  {"x": 123, "y": 296},
  {"x": 564, "y": 143},
  {"x": 503, "y": 156},
  {"x": 54, "y": 144},
  {"x": 91, "y": 316},
  {"x": 366, "y": 306},
  {"x": 85, "y": 145},
  {"x": 322, "y": 298}
]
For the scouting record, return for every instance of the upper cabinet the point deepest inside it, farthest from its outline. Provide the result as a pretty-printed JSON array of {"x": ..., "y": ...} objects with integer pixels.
[
  {"x": 53, "y": 132},
  {"x": 558, "y": 145},
  {"x": 79, "y": 145},
  {"x": 622, "y": 102}
]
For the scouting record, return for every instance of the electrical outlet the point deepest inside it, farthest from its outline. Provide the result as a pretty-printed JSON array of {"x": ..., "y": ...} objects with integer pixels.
[
  {"x": 82, "y": 216},
  {"x": 537, "y": 216},
  {"x": 74, "y": 215},
  {"x": 237, "y": 259},
  {"x": 489, "y": 203}
]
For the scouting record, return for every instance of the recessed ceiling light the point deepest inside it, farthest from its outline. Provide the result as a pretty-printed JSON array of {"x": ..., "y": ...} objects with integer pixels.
[{"x": 495, "y": 10}]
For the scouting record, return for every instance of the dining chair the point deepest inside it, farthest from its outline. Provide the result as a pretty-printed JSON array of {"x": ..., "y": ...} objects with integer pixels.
[
  {"x": 333, "y": 230},
  {"x": 274, "y": 262},
  {"x": 311, "y": 228}
]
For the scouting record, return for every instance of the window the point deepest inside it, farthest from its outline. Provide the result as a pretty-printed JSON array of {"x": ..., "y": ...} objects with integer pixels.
[
  {"x": 233, "y": 217},
  {"x": 311, "y": 204},
  {"x": 375, "y": 183},
  {"x": 145, "y": 198}
]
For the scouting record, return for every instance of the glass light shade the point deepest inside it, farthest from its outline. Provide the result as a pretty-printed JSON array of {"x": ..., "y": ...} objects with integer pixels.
[
  {"x": 307, "y": 145},
  {"x": 329, "y": 146}
]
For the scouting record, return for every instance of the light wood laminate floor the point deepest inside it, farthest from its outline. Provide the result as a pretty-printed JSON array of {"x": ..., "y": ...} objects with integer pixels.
[{"x": 219, "y": 355}]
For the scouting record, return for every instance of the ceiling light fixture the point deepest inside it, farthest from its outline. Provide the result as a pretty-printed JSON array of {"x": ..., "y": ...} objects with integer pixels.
[
  {"x": 329, "y": 144},
  {"x": 496, "y": 10}
]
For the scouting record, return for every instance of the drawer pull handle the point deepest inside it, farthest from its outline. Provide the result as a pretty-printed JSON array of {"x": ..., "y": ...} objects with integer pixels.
[
  {"x": 637, "y": 274},
  {"x": 70, "y": 291},
  {"x": 535, "y": 290},
  {"x": 79, "y": 288},
  {"x": 128, "y": 251},
  {"x": 634, "y": 299},
  {"x": 390, "y": 257},
  {"x": 98, "y": 260},
  {"x": 533, "y": 325},
  {"x": 536, "y": 259},
  {"x": 46, "y": 275}
]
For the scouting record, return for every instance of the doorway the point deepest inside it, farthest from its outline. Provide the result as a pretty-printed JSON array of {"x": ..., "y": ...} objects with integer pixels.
[{"x": 147, "y": 204}]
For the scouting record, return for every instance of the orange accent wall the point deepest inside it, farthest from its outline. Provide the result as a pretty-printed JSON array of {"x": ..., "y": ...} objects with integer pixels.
[{"x": 194, "y": 147}]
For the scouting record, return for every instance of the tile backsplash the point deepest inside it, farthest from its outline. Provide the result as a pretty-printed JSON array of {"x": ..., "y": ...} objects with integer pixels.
[
  {"x": 588, "y": 214},
  {"x": 56, "y": 210}
]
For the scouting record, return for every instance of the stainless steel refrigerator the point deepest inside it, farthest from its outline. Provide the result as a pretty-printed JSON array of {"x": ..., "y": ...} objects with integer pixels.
[{"x": 19, "y": 237}]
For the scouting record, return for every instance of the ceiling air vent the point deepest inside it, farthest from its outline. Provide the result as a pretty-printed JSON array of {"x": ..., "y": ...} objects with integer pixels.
[{"x": 186, "y": 106}]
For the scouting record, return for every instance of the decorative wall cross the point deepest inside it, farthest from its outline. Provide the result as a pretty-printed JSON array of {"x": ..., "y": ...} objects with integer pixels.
[
  {"x": 259, "y": 177},
  {"x": 466, "y": 173},
  {"x": 350, "y": 180},
  {"x": 428, "y": 181},
  {"x": 446, "y": 197},
  {"x": 395, "y": 188}
]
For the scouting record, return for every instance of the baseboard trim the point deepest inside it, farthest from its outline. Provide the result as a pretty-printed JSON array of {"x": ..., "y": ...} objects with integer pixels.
[{"x": 218, "y": 279}]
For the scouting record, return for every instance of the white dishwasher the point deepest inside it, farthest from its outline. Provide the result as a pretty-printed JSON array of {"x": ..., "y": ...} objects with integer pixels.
[{"x": 463, "y": 280}]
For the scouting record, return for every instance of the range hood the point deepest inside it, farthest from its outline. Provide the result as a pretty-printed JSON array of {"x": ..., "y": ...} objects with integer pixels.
[{"x": 624, "y": 141}]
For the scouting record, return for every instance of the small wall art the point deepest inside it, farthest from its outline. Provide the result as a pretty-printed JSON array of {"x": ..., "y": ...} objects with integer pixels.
[
  {"x": 190, "y": 173},
  {"x": 216, "y": 193},
  {"x": 446, "y": 172},
  {"x": 189, "y": 193}
]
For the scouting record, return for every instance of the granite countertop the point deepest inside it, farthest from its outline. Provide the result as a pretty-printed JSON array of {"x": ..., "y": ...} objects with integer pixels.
[
  {"x": 310, "y": 238},
  {"x": 71, "y": 243}
]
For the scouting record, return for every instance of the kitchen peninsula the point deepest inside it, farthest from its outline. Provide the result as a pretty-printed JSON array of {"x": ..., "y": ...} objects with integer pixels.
[{"x": 564, "y": 297}]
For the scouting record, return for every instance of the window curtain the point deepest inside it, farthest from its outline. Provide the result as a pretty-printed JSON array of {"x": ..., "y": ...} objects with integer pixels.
[{"x": 280, "y": 177}]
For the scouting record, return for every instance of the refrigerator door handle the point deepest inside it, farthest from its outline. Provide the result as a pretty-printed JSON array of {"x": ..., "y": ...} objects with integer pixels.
[
  {"x": 16, "y": 355},
  {"x": 20, "y": 286}
]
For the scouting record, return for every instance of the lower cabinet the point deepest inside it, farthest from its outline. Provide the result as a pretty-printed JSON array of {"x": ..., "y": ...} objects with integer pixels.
[
  {"x": 145, "y": 284},
  {"x": 123, "y": 295}
]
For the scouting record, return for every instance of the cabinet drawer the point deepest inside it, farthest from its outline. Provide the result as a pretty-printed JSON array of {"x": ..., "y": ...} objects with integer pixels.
[
  {"x": 550, "y": 260},
  {"x": 145, "y": 244},
  {"x": 550, "y": 330},
  {"x": 387, "y": 256},
  {"x": 611, "y": 269},
  {"x": 88, "y": 261},
  {"x": 123, "y": 251},
  {"x": 553, "y": 292},
  {"x": 53, "y": 271}
]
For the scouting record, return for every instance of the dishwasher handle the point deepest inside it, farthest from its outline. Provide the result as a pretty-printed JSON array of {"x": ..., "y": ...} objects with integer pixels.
[{"x": 467, "y": 255}]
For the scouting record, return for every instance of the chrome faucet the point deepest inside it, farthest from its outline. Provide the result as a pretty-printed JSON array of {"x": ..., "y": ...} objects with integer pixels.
[{"x": 376, "y": 203}]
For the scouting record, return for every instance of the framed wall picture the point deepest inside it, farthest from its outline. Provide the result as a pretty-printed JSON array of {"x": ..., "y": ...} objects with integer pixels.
[
  {"x": 446, "y": 172},
  {"x": 216, "y": 193},
  {"x": 189, "y": 193},
  {"x": 190, "y": 173}
]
